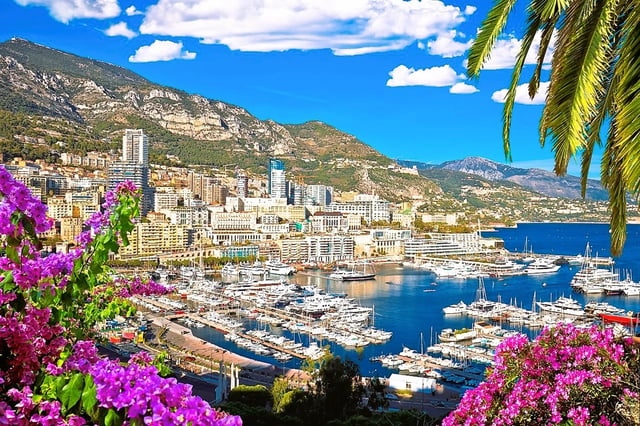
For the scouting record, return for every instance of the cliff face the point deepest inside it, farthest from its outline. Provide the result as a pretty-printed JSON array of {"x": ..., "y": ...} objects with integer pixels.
[
  {"x": 29, "y": 87},
  {"x": 105, "y": 98}
]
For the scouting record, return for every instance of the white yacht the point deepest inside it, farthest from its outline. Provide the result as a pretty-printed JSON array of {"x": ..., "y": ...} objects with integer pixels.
[
  {"x": 541, "y": 266},
  {"x": 278, "y": 268},
  {"x": 564, "y": 306},
  {"x": 458, "y": 308}
]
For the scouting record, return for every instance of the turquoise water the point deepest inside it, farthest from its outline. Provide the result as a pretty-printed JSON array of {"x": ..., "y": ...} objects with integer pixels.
[{"x": 401, "y": 304}]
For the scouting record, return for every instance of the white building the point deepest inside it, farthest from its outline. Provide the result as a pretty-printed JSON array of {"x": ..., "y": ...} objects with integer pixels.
[
  {"x": 371, "y": 209},
  {"x": 323, "y": 249},
  {"x": 329, "y": 222},
  {"x": 165, "y": 198},
  {"x": 411, "y": 383},
  {"x": 319, "y": 195},
  {"x": 233, "y": 221},
  {"x": 190, "y": 216},
  {"x": 135, "y": 146}
]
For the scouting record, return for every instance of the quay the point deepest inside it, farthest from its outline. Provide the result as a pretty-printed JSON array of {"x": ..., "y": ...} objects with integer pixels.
[{"x": 183, "y": 345}]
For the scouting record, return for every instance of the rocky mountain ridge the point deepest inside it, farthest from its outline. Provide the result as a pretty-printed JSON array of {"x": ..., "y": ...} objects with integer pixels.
[
  {"x": 90, "y": 103},
  {"x": 105, "y": 98},
  {"x": 537, "y": 180}
]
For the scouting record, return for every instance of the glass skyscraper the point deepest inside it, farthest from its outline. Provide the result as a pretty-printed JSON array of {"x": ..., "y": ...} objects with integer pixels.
[{"x": 276, "y": 185}]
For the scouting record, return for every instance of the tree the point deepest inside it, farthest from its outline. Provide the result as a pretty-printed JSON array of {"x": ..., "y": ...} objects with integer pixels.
[
  {"x": 254, "y": 396},
  {"x": 593, "y": 87},
  {"x": 278, "y": 391},
  {"x": 340, "y": 387},
  {"x": 377, "y": 399}
]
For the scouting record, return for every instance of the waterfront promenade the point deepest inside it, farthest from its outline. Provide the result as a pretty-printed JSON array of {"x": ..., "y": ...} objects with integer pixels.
[{"x": 203, "y": 357}]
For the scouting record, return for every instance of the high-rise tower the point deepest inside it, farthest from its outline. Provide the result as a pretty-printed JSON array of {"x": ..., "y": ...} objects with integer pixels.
[
  {"x": 277, "y": 185},
  {"x": 134, "y": 166},
  {"x": 135, "y": 146}
]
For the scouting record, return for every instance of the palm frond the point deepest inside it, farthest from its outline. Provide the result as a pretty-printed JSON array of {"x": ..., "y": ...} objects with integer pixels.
[
  {"x": 613, "y": 169},
  {"x": 573, "y": 93},
  {"x": 604, "y": 107},
  {"x": 627, "y": 99},
  {"x": 545, "y": 40},
  {"x": 510, "y": 99},
  {"x": 490, "y": 29}
]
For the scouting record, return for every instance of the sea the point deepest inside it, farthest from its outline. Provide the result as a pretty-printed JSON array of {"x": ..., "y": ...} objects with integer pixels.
[{"x": 409, "y": 301}]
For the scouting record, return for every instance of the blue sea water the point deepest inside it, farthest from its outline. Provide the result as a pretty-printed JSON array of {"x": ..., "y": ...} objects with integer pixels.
[{"x": 415, "y": 316}]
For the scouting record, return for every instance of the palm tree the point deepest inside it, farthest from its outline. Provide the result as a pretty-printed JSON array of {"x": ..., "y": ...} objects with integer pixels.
[{"x": 594, "y": 87}]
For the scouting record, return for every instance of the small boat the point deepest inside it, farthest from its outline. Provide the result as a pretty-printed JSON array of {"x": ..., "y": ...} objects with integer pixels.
[{"x": 631, "y": 319}]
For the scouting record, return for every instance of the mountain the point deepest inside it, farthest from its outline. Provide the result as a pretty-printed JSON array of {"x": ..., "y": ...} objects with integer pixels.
[
  {"x": 54, "y": 101},
  {"x": 99, "y": 100},
  {"x": 537, "y": 180}
]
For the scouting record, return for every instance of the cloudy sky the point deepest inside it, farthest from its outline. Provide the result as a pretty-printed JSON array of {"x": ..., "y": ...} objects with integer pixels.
[{"x": 390, "y": 72}]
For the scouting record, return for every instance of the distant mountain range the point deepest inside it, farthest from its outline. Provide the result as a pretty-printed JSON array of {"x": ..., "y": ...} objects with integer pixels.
[
  {"x": 82, "y": 104},
  {"x": 538, "y": 180}
]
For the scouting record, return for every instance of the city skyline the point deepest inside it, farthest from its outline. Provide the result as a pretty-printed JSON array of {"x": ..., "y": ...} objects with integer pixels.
[{"x": 389, "y": 72}]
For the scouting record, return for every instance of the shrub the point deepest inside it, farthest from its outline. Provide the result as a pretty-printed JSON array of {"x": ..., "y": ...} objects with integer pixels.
[
  {"x": 50, "y": 371},
  {"x": 567, "y": 375}
]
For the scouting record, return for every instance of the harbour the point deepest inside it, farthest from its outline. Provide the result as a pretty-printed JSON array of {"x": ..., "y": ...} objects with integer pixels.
[{"x": 407, "y": 302}]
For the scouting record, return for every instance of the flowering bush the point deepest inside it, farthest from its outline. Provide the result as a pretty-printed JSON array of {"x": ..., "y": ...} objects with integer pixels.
[
  {"x": 566, "y": 376},
  {"x": 50, "y": 371}
]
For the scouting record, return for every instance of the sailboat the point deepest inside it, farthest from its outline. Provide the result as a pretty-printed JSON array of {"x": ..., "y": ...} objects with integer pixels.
[
  {"x": 527, "y": 251},
  {"x": 367, "y": 272}
]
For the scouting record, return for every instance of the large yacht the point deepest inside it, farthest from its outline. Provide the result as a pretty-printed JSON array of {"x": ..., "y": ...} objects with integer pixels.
[
  {"x": 541, "y": 266},
  {"x": 278, "y": 268}
]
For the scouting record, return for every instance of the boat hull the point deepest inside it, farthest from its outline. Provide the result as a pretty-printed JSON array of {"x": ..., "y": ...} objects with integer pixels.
[
  {"x": 359, "y": 277},
  {"x": 629, "y": 321}
]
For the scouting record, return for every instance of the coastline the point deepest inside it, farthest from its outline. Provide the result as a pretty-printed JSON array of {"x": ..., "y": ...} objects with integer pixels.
[{"x": 203, "y": 357}]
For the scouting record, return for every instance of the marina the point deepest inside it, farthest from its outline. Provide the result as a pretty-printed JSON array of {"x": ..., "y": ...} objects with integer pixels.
[{"x": 380, "y": 323}]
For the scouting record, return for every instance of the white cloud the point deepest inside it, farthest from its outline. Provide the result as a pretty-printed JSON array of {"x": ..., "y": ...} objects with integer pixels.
[
  {"x": 346, "y": 27},
  {"x": 161, "y": 50},
  {"x": 522, "y": 94},
  {"x": 66, "y": 10},
  {"x": 505, "y": 52},
  {"x": 447, "y": 47},
  {"x": 463, "y": 89},
  {"x": 120, "y": 29},
  {"x": 131, "y": 11},
  {"x": 437, "y": 76}
]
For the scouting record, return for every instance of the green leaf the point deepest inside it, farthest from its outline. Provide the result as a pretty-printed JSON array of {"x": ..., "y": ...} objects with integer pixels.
[
  {"x": 89, "y": 399},
  {"x": 112, "y": 418},
  {"x": 72, "y": 391}
]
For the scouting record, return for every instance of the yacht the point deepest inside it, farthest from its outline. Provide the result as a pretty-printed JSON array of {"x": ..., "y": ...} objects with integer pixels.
[
  {"x": 450, "y": 335},
  {"x": 458, "y": 308},
  {"x": 564, "y": 306},
  {"x": 541, "y": 266},
  {"x": 278, "y": 268},
  {"x": 365, "y": 273},
  {"x": 504, "y": 267}
]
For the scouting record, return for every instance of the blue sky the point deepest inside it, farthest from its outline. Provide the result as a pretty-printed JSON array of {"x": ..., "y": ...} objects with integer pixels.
[{"x": 390, "y": 72}]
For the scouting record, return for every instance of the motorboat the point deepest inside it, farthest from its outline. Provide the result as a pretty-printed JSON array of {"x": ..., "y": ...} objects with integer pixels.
[
  {"x": 541, "y": 266},
  {"x": 458, "y": 308},
  {"x": 278, "y": 268}
]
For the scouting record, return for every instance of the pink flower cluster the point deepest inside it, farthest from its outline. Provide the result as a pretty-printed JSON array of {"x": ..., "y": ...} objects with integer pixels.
[
  {"x": 19, "y": 201},
  {"x": 42, "y": 298},
  {"x": 566, "y": 375},
  {"x": 151, "y": 398},
  {"x": 127, "y": 287}
]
